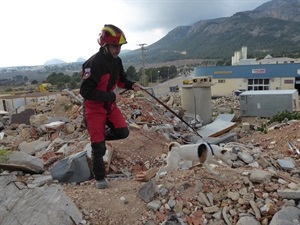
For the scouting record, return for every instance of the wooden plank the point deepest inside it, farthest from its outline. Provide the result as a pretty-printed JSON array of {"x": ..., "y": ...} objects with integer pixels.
[
  {"x": 146, "y": 175},
  {"x": 108, "y": 156}
]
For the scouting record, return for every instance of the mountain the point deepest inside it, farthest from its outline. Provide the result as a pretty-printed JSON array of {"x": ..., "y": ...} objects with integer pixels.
[
  {"x": 80, "y": 60},
  {"x": 124, "y": 51},
  {"x": 272, "y": 28},
  {"x": 54, "y": 62}
]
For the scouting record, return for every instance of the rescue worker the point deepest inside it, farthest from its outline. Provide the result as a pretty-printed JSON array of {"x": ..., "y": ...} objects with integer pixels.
[{"x": 101, "y": 74}]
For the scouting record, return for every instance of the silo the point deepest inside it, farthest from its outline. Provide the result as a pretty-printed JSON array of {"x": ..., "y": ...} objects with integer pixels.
[
  {"x": 244, "y": 52},
  {"x": 196, "y": 99}
]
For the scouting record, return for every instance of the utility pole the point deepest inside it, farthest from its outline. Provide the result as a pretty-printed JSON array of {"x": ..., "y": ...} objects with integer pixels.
[
  {"x": 158, "y": 82},
  {"x": 169, "y": 76},
  {"x": 143, "y": 49}
]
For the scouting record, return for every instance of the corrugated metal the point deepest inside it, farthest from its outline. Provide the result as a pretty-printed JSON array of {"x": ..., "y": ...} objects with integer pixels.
[{"x": 268, "y": 103}]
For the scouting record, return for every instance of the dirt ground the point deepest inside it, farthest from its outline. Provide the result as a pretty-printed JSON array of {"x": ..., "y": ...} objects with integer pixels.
[
  {"x": 120, "y": 203},
  {"x": 106, "y": 206}
]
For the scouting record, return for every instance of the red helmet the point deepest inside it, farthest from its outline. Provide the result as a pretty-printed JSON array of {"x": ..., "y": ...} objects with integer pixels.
[{"x": 111, "y": 34}]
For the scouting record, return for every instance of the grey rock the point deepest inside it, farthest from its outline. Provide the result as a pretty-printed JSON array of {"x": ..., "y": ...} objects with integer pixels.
[
  {"x": 246, "y": 220},
  {"x": 286, "y": 216},
  {"x": 246, "y": 157},
  {"x": 289, "y": 193},
  {"x": 24, "y": 162},
  {"x": 54, "y": 119},
  {"x": 263, "y": 162},
  {"x": 238, "y": 163},
  {"x": 217, "y": 222},
  {"x": 40, "y": 180},
  {"x": 147, "y": 192},
  {"x": 154, "y": 205},
  {"x": 172, "y": 220},
  {"x": 286, "y": 164},
  {"x": 33, "y": 147},
  {"x": 260, "y": 176},
  {"x": 43, "y": 206}
]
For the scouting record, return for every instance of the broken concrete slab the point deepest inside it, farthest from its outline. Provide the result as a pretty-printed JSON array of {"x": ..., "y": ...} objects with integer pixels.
[
  {"x": 74, "y": 168},
  {"x": 48, "y": 205},
  {"x": 218, "y": 127},
  {"x": 23, "y": 162},
  {"x": 33, "y": 147}
]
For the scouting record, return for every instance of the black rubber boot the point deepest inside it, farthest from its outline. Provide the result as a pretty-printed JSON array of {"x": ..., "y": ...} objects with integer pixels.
[
  {"x": 101, "y": 184},
  {"x": 98, "y": 151}
]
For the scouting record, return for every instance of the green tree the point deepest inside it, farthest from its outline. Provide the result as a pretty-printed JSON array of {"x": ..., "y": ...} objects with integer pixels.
[
  {"x": 34, "y": 82},
  {"x": 76, "y": 77},
  {"x": 8, "y": 90},
  {"x": 132, "y": 74},
  {"x": 75, "y": 80},
  {"x": 151, "y": 75},
  {"x": 55, "y": 78},
  {"x": 18, "y": 77},
  {"x": 65, "y": 79},
  {"x": 73, "y": 84},
  {"x": 61, "y": 85},
  {"x": 52, "y": 78},
  {"x": 25, "y": 79},
  {"x": 144, "y": 80},
  {"x": 172, "y": 71}
]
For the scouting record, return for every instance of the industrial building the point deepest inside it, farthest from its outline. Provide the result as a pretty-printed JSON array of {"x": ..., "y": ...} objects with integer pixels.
[
  {"x": 12, "y": 102},
  {"x": 229, "y": 79},
  {"x": 251, "y": 75}
]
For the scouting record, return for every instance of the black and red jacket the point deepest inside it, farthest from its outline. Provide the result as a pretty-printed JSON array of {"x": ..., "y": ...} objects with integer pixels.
[{"x": 101, "y": 74}]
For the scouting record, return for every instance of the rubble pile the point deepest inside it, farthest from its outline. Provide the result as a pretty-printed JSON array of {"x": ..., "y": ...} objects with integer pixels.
[
  {"x": 257, "y": 187},
  {"x": 225, "y": 104},
  {"x": 262, "y": 187}
]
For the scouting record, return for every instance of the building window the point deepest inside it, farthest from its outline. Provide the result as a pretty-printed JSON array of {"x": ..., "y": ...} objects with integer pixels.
[
  {"x": 221, "y": 81},
  {"x": 288, "y": 81},
  {"x": 258, "y": 84}
]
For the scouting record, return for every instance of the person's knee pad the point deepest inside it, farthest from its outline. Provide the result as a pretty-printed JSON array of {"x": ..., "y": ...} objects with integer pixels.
[{"x": 98, "y": 149}]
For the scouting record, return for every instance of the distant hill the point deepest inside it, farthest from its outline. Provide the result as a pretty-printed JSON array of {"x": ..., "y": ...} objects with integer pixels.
[
  {"x": 272, "y": 28},
  {"x": 124, "y": 51},
  {"x": 54, "y": 62},
  {"x": 58, "y": 61},
  {"x": 80, "y": 59}
]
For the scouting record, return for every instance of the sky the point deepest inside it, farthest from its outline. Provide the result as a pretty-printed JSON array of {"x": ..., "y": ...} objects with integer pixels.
[{"x": 35, "y": 31}]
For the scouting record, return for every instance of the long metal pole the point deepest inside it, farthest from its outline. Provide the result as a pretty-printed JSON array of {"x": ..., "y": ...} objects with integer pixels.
[{"x": 171, "y": 111}]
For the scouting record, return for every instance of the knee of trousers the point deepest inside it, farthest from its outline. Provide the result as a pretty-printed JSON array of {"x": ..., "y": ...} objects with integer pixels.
[
  {"x": 98, "y": 149},
  {"x": 123, "y": 132}
]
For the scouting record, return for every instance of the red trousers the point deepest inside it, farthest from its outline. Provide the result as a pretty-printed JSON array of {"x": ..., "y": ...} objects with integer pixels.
[{"x": 97, "y": 117}]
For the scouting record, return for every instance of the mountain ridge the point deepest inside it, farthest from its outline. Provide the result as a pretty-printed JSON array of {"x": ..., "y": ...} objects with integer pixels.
[{"x": 272, "y": 28}]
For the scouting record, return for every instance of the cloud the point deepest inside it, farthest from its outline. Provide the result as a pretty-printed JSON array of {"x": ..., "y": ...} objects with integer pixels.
[{"x": 34, "y": 31}]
